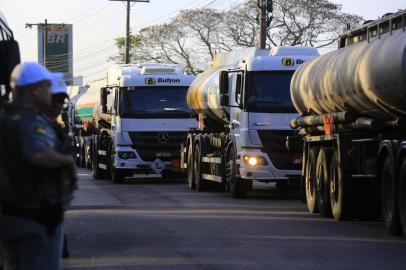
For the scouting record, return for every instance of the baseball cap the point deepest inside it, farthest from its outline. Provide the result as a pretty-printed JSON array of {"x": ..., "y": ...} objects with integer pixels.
[
  {"x": 29, "y": 73},
  {"x": 58, "y": 85}
]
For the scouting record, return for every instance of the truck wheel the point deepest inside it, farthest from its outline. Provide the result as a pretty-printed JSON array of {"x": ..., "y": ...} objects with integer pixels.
[
  {"x": 190, "y": 177},
  {"x": 389, "y": 196},
  {"x": 402, "y": 195},
  {"x": 82, "y": 153},
  {"x": 310, "y": 180},
  {"x": 98, "y": 173},
  {"x": 238, "y": 187},
  {"x": 117, "y": 175},
  {"x": 323, "y": 182},
  {"x": 200, "y": 184},
  {"x": 340, "y": 196}
]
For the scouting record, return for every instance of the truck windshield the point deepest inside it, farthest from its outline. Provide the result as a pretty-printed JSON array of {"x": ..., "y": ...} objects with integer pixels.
[
  {"x": 269, "y": 92},
  {"x": 155, "y": 102}
]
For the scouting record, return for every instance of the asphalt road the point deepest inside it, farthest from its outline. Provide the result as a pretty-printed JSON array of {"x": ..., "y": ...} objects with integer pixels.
[{"x": 158, "y": 224}]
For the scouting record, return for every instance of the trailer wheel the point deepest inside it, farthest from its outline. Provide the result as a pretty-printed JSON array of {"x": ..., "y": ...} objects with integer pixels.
[
  {"x": 390, "y": 205},
  {"x": 190, "y": 163},
  {"x": 402, "y": 195},
  {"x": 323, "y": 182},
  {"x": 340, "y": 191},
  {"x": 310, "y": 180},
  {"x": 201, "y": 184},
  {"x": 238, "y": 187}
]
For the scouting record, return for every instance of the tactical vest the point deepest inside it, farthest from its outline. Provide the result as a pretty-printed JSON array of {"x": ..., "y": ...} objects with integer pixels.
[{"x": 19, "y": 185}]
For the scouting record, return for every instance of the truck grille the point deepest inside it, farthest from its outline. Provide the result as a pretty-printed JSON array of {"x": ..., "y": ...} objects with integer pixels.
[
  {"x": 162, "y": 145},
  {"x": 274, "y": 144}
]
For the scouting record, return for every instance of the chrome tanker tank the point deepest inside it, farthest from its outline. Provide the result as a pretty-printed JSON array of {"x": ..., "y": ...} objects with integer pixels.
[
  {"x": 367, "y": 76},
  {"x": 203, "y": 95}
]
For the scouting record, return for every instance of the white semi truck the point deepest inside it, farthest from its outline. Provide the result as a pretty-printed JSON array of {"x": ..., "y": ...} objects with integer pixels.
[
  {"x": 243, "y": 106},
  {"x": 134, "y": 120}
]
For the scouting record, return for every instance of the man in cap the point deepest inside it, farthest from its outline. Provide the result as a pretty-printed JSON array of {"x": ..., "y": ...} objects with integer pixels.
[
  {"x": 31, "y": 189},
  {"x": 58, "y": 100}
]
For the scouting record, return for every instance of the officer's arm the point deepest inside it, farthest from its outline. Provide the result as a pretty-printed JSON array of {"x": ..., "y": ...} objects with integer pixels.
[
  {"x": 50, "y": 159},
  {"x": 38, "y": 143}
]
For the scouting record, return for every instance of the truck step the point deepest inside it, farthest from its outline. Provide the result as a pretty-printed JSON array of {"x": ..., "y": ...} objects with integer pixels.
[
  {"x": 102, "y": 152},
  {"x": 364, "y": 140},
  {"x": 369, "y": 176},
  {"x": 215, "y": 160},
  {"x": 102, "y": 166},
  {"x": 212, "y": 177}
]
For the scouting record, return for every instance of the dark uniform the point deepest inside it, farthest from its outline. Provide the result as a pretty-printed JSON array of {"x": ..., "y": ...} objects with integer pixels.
[{"x": 32, "y": 200}]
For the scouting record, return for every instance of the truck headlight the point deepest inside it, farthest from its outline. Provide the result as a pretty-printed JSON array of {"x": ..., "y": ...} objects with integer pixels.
[
  {"x": 126, "y": 155},
  {"x": 254, "y": 161}
]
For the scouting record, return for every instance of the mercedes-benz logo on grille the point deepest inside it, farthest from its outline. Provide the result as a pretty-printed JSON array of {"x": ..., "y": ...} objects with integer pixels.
[{"x": 163, "y": 137}]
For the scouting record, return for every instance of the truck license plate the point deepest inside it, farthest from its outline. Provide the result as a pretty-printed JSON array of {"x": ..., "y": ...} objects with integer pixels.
[{"x": 163, "y": 154}]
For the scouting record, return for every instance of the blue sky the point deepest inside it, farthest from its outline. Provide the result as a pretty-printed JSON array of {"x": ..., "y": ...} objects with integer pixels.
[{"x": 97, "y": 22}]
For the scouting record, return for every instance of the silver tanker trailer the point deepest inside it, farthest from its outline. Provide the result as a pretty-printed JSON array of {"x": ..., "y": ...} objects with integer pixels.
[{"x": 353, "y": 108}]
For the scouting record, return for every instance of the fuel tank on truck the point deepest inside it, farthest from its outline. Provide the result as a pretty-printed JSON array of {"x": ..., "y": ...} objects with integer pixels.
[
  {"x": 203, "y": 95},
  {"x": 367, "y": 77},
  {"x": 88, "y": 101}
]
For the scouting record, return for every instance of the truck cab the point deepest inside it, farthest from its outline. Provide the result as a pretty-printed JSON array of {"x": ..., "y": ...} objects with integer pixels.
[
  {"x": 260, "y": 112},
  {"x": 138, "y": 121},
  {"x": 244, "y": 107}
]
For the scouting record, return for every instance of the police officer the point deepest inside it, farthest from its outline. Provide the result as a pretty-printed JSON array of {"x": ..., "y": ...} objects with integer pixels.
[
  {"x": 58, "y": 99},
  {"x": 33, "y": 190}
]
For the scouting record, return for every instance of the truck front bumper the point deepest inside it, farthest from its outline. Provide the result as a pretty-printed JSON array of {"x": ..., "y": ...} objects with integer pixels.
[
  {"x": 136, "y": 164},
  {"x": 264, "y": 173}
]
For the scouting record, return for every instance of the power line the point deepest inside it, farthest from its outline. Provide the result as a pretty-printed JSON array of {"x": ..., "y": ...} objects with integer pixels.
[
  {"x": 96, "y": 13},
  {"x": 84, "y": 12}
]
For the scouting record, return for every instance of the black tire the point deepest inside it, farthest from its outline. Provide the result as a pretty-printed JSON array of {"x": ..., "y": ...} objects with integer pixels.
[
  {"x": 200, "y": 184},
  {"x": 65, "y": 249},
  {"x": 310, "y": 180},
  {"x": 323, "y": 182},
  {"x": 340, "y": 190},
  {"x": 82, "y": 152},
  {"x": 402, "y": 195},
  {"x": 190, "y": 163},
  {"x": 237, "y": 186},
  {"x": 97, "y": 172},
  {"x": 117, "y": 175},
  {"x": 390, "y": 206}
]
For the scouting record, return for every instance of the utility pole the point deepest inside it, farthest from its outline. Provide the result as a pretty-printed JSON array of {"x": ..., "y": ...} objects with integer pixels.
[
  {"x": 128, "y": 35},
  {"x": 44, "y": 26},
  {"x": 265, "y": 7}
]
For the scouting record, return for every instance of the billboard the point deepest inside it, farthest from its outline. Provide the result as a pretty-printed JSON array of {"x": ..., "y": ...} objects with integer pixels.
[{"x": 58, "y": 48}]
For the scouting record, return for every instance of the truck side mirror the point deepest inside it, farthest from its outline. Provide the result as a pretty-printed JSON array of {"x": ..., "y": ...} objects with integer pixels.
[
  {"x": 224, "y": 100},
  {"x": 223, "y": 82},
  {"x": 103, "y": 99}
]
